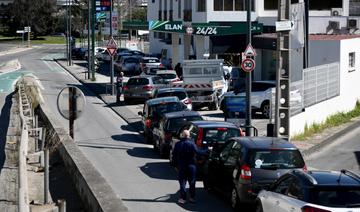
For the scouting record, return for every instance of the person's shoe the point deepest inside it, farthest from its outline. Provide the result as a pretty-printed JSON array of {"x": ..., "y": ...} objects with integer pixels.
[
  {"x": 192, "y": 200},
  {"x": 181, "y": 201}
]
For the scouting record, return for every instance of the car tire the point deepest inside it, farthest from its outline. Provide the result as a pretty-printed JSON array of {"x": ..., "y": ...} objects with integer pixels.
[
  {"x": 235, "y": 201},
  {"x": 258, "y": 206},
  {"x": 265, "y": 109}
]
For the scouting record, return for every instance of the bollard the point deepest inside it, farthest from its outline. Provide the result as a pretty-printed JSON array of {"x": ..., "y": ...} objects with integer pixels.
[
  {"x": 46, "y": 177},
  {"x": 62, "y": 205}
]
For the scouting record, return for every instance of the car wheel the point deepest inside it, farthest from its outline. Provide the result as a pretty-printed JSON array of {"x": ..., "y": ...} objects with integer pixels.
[
  {"x": 259, "y": 206},
  {"x": 235, "y": 201},
  {"x": 265, "y": 109}
]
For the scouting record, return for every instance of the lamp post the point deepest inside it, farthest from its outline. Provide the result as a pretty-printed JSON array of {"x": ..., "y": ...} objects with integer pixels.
[{"x": 248, "y": 75}]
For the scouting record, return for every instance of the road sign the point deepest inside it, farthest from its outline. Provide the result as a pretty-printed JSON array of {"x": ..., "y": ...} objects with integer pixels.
[
  {"x": 248, "y": 65},
  {"x": 250, "y": 51},
  {"x": 20, "y": 31},
  {"x": 27, "y": 29},
  {"x": 111, "y": 46},
  {"x": 284, "y": 25}
]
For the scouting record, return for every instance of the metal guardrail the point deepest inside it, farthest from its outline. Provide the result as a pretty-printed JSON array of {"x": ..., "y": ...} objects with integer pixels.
[{"x": 25, "y": 111}]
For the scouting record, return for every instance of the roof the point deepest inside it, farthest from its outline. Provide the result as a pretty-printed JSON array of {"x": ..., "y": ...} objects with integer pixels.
[
  {"x": 211, "y": 124},
  {"x": 315, "y": 36},
  {"x": 165, "y": 90},
  {"x": 265, "y": 143},
  {"x": 334, "y": 178},
  {"x": 181, "y": 114},
  {"x": 162, "y": 100}
]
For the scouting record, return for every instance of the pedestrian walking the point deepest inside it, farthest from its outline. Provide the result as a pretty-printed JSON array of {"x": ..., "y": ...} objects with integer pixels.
[
  {"x": 119, "y": 85},
  {"x": 184, "y": 159}
]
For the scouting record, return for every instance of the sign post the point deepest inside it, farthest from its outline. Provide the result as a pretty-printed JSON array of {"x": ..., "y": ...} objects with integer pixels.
[
  {"x": 71, "y": 103},
  {"x": 111, "y": 48},
  {"x": 28, "y": 30}
]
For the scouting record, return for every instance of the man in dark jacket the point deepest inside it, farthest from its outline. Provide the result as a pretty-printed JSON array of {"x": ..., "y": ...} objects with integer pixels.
[
  {"x": 184, "y": 158},
  {"x": 119, "y": 85}
]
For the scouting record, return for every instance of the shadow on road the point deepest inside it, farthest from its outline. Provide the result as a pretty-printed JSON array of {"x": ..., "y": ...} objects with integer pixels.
[
  {"x": 4, "y": 124},
  {"x": 143, "y": 152},
  {"x": 130, "y": 128},
  {"x": 157, "y": 170},
  {"x": 127, "y": 137}
]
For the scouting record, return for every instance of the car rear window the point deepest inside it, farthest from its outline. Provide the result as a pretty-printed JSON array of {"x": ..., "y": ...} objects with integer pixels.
[
  {"x": 152, "y": 60},
  {"x": 337, "y": 197},
  {"x": 281, "y": 158},
  {"x": 167, "y": 107},
  {"x": 167, "y": 76},
  {"x": 179, "y": 94},
  {"x": 131, "y": 60},
  {"x": 220, "y": 134},
  {"x": 138, "y": 81},
  {"x": 175, "y": 124}
]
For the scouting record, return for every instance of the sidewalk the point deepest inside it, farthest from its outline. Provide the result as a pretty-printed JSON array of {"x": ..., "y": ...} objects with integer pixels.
[{"x": 307, "y": 147}]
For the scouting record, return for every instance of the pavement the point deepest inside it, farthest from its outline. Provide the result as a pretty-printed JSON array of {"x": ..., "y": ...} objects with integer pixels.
[{"x": 101, "y": 86}]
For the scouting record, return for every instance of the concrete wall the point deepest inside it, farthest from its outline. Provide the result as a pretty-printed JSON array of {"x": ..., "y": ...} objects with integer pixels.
[
  {"x": 349, "y": 88},
  {"x": 94, "y": 191},
  {"x": 323, "y": 52}
]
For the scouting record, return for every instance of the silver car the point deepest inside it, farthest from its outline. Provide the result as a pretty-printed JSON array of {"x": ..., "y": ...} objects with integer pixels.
[
  {"x": 178, "y": 92},
  {"x": 142, "y": 87}
]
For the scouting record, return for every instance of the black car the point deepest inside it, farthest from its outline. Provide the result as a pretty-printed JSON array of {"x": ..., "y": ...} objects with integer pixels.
[
  {"x": 245, "y": 165},
  {"x": 208, "y": 134},
  {"x": 168, "y": 126},
  {"x": 78, "y": 53},
  {"x": 153, "y": 110},
  {"x": 321, "y": 191}
]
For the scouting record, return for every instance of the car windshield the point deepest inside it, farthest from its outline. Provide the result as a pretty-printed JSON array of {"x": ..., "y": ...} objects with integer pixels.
[
  {"x": 281, "y": 158},
  {"x": 220, "y": 134},
  {"x": 175, "y": 124},
  {"x": 179, "y": 94},
  {"x": 138, "y": 81},
  {"x": 336, "y": 196},
  {"x": 167, "y": 76},
  {"x": 131, "y": 60},
  {"x": 167, "y": 107}
]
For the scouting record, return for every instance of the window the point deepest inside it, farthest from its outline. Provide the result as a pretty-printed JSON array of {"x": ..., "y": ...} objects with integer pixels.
[
  {"x": 201, "y": 5},
  {"x": 351, "y": 61},
  {"x": 179, "y": 8},
  {"x": 273, "y": 4},
  {"x": 232, "y": 5},
  {"x": 295, "y": 190},
  {"x": 234, "y": 155},
  {"x": 283, "y": 185}
]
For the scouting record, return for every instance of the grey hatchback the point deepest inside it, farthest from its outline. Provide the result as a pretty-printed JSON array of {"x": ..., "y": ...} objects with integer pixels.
[{"x": 141, "y": 87}]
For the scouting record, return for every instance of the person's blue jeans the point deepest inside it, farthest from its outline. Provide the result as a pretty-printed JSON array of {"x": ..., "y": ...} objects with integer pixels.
[{"x": 187, "y": 173}]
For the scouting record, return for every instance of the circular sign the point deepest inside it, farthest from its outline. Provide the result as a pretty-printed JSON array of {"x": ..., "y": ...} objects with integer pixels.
[
  {"x": 248, "y": 65},
  {"x": 71, "y": 99}
]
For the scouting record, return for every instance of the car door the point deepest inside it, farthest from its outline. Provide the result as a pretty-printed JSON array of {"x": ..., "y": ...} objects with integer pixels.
[
  {"x": 157, "y": 131},
  {"x": 274, "y": 198},
  {"x": 229, "y": 166}
]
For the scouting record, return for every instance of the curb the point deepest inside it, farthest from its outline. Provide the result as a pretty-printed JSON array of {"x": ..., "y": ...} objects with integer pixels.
[{"x": 331, "y": 138}]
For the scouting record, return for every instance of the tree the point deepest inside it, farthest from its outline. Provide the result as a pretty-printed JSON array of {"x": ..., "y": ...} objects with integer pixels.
[{"x": 36, "y": 14}]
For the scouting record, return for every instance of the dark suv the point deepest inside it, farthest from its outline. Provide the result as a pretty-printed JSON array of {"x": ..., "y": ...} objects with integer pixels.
[
  {"x": 313, "y": 191},
  {"x": 168, "y": 126},
  {"x": 154, "y": 109},
  {"x": 245, "y": 165}
]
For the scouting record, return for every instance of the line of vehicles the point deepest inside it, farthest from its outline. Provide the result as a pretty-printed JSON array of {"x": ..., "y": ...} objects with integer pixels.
[{"x": 270, "y": 173}]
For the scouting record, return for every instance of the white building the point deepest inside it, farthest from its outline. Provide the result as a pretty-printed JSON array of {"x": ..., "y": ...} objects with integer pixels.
[{"x": 201, "y": 17}]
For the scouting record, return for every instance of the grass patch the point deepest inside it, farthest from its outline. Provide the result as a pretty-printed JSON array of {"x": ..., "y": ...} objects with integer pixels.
[
  {"x": 38, "y": 40},
  {"x": 332, "y": 121}
]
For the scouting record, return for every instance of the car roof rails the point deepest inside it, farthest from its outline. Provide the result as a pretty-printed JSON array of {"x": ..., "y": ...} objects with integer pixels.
[
  {"x": 307, "y": 176},
  {"x": 350, "y": 174}
]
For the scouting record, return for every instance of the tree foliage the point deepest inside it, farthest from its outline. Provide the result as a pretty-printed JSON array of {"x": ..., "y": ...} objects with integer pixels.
[{"x": 36, "y": 14}]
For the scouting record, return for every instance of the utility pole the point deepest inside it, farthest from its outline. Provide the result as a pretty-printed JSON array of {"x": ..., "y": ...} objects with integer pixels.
[
  {"x": 111, "y": 56},
  {"x": 70, "y": 38},
  {"x": 248, "y": 76},
  {"x": 282, "y": 103},
  {"x": 88, "y": 39},
  {"x": 93, "y": 14},
  {"x": 67, "y": 29}
]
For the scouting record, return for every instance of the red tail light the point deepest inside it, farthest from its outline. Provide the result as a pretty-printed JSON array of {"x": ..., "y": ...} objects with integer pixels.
[
  {"x": 200, "y": 137},
  {"x": 168, "y": 136},
  {"x": 161, "y": 65},
  {"x": 187, "y": 101},
  {"x": 148, "y": 123},
  {"x": 305, "y": 168},
  {"x": 126, "y": 88},
  {"x": 148, "y": 87},
  {"x": 312, "y": 209},
  {"x": 245, "y": 172}
]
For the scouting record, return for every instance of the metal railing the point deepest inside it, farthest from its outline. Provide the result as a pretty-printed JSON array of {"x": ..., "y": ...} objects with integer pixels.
[{"x": 25, "y": 111}]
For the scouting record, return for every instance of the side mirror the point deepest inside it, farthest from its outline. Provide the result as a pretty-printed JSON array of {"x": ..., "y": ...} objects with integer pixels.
[{"x": 140, "y": 113}]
